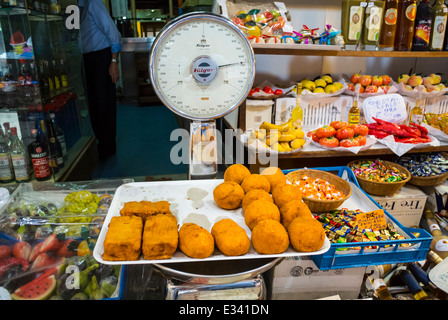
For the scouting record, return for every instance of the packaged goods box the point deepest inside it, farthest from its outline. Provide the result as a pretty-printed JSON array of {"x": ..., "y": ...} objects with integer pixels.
[
  {"x": 406, "y": 205},
  {"x": 298, "y": 278}
]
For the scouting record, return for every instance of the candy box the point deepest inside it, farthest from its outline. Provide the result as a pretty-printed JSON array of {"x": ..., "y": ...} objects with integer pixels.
[
  {"x": 406, "y": 205},
  {"x": 300, "y": 278}
]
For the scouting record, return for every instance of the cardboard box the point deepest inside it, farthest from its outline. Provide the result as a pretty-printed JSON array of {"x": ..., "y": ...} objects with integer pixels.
[
  {"x": 406, "y": 205},
  {"x": 258, "y": 111},
  {"x": 297, "y": 278}
]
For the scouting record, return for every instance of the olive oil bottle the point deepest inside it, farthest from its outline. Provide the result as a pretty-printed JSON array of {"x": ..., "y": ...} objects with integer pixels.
[
  {"x": 440, "y": 14},
  {"x": 373, "y": 18},
  {"x": 389, "y": 26}
]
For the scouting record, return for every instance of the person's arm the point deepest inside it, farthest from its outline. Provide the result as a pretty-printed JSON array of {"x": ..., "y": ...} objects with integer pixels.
[{"x": 114, "y": 71}]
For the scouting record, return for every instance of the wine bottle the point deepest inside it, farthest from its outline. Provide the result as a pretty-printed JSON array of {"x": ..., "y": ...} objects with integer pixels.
[
  {"x": 19, "y": 158},
  {"x": 55, "y": 146},
  {"x": 60, "y": 134},
  {"x": 413, "y": 285},
  {"x": 39, "y": 158},
  {"x": 51, "y": 153},
  {"x": 439, "y": 242},
  {"x": 423, "y": 23}
]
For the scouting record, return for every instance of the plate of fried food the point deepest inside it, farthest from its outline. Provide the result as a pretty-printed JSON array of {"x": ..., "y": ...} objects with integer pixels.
[{"x": 242, "y": 216}]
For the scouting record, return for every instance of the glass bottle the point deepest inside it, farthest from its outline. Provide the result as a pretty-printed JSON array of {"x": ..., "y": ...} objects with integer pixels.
[
  {"x": 404, "y": 34},
  {"x": 413, "y": 285},
  {"x": 373, "y": 17},
  {"x": 64, "y": 79},
  {"x": 39, "y": 157},
  {"x": 49, "y": 77},
  {"x": 6, "y": 170},
  {"x": 439, "y": 242},
  {"x": 57, "y": 80},
  {"x": 43, "y": 82},
  {"x": 422, "y": 30},
  {"x": 19, "y": 158},
  {"x": 59, "y": 134},
  {"x": 351, "y": 22},
  {"x": 440, "y": 14},
  {"x": 381, "y": 289},
  {"x": 55, "y": 146},
  {"x": 52, "y": 160},
  {"x": 7, "y": 132},
  {"x": 21, "y": 77},
  {"x": 416, "y": 114},
  {"x": 388, "y": 26},
  {"x": 297, "y": 112},
  {"x": 354, "y": 112}
]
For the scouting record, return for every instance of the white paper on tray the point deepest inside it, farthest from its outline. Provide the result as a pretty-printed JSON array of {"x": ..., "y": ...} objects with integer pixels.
[
  {"x": 190, "y": 201},
  {"x": 401, "y": 148},
  {"x": 415, "y": 91},
  {"x": 439, "y": 134},
  {"x": 370, "y": 142},
  {"x": 257, "y": 146}
]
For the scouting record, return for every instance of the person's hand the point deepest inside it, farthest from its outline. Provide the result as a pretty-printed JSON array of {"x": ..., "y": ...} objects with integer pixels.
[{"x": 114, "y": 72}]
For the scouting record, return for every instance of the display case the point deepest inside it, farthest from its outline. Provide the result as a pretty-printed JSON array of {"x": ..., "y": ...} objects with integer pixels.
[{"x": 41, "y": 88}]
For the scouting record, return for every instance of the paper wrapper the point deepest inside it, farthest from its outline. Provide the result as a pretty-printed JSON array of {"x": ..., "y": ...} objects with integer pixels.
[
  {"x": 265, "y": 96},
  {"x": 401, "y": 148},
  {"x": 370, "y": 142},
  {"x": 414, "y": 92},
  {"x": 257, "y": 146}
]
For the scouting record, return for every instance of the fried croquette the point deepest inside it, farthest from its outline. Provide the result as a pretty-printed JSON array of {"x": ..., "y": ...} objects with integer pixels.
[
  {"x": 270, "y": 237},
  {"x": 255, "y": 181},
  {"x": 260, "y": 210},
  {"x": 144, "y": 209},
  {"x": 284, "y": 194},
  {"x": 160, "y": 237},
  {"x": 293, "y": 209},
  {"x": 230, "y": 238},
  {"x": 236, "y": 173},
  {"x": 255, "y": 194},
  {"x": 195, "y": 241},
  {"x": 306, "y": 234},
  {"x": 123, "y": 238},
  {"x": 275, "y": 176},
  {"x": 228, "y": 195}
]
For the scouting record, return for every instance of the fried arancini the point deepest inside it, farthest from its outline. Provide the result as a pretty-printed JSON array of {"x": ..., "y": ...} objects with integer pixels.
[
  {"x": 255, "y": 181},
  {"x": 195, "y": 241},
  {"x": 275, "y": 176},
  {"x": 230, "y": 238},
  {"x": 284, "y": 194},
  {"x": 228, "y": 195},
  {"x": 260, "y": 210},
  {"x": 293, "y": 209},
  {"x": 270, "y": 237},
  {"x": 306, "y": 234},
  {"x": 255, "y": 194},
  {"x": 236, "y": 173}
]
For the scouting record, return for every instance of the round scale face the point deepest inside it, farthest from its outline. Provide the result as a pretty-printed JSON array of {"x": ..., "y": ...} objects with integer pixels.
[{"x": 201, "y": 66}]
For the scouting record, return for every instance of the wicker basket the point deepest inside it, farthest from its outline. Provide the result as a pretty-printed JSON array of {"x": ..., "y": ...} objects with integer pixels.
[
  {"x": 317, "y": 206},
  {"x": 430, "y": 181},
  {"x": 382, "y": 188}
]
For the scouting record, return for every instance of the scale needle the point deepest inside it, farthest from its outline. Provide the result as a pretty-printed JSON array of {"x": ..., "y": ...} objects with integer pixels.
[{"x": 231, "y": 64}]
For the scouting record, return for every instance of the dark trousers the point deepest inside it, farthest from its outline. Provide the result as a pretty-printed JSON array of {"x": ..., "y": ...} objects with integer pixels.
[{"x": 101, "y": 95}]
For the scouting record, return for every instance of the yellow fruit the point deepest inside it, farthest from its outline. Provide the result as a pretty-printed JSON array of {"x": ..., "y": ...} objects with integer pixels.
[
  {"x": 308, "y": 84},
  {"x": 297, "y": 143},
  {"x": 338, "y": 85},
  {"x": 285, "y": 137},
  {"x": 320, "y": 83},
  {"x": 277, "y": 147},
  {"x": 403, "y": 78},
  {"x": 327, "y": 78},
  {"x": 319, "y": 90},
  {"x": 83, "y": 248},
  {"x": 330, "y": 88},
  {"x": 280, "y": 127}
]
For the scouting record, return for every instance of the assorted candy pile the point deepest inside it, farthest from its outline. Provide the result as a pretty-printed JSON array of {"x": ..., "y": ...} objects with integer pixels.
[
  {"x": 341, "y": 227},
  {"x": 318, "y": 189},
  {"x": 424, "y": 165},
  {"x": 377, "y": 170}
]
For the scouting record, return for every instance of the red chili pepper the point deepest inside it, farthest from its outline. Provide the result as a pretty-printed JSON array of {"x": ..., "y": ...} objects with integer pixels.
[
  {"x": 11, "y": 262},
  {"x": 378, "y": 134},
  {"x": 372, "y": 125},
  {"x": 386, "y": 122},
  {"x": 423, "y": 130},
  {"x": 413, "y": 140},
  {"x": 413, "y": 131},
  {"x": 392, "y": 129}
]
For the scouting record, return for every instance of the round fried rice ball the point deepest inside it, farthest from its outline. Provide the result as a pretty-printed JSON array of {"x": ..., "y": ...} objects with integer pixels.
[
  {"x": 270, "y": 237},
  {"x": 228, "y": 195},
  {"x": 260, "y": 210},
  {"x": 195, "y": 241},
  {"x": 306, "y": 234},
  {"x": 230, "y": 238},
  {"x": 255, "y": 194},
  {"x": 255, "y": 181},
  {"x": 236, "y": 173},
  {"x": 275, "y": 176},
  {"x": 285, "y": 193},
  {"x": 292, "y": 210}
]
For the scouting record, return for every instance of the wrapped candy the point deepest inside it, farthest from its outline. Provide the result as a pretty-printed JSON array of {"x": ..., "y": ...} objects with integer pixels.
[{"x": 331, "y": 36}]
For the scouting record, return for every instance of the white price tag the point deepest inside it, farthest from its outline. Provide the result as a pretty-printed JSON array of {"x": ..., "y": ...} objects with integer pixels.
[{"x": 388, "y": 107}]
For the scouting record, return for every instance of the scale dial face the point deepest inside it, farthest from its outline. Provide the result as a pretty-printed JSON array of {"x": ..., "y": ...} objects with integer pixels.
[{"x": 201, "y": 66}]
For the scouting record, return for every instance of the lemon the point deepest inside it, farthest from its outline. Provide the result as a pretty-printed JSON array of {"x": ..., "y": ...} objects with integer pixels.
[{"x": 320, "y": 83}]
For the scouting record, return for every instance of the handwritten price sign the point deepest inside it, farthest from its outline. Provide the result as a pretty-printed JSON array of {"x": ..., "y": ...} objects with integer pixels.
[
  {"x": 374, "y": 220},
  {"x": 390, "y": 107}
]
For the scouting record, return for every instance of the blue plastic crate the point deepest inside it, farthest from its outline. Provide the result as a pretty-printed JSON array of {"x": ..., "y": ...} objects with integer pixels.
[{"x": 387, "y": 252}]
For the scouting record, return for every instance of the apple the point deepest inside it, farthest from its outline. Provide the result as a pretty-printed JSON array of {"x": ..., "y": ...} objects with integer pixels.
[
  {"x": 415, "y": 80},
  {"x": 436, "y": 77},
  {"x": 361, "y": 89},
  {"x": 403, "y": 78},
  {"x": 355, "y": 78},
  {"x": 428, "y": 81},
  {"x": 365, "y": 80},
  {"x": 377, "y": 81},
  {"x": 441, "y": 86},
  {"x": 386, "y": 80},
  {"x": 351, "y": 86},
  {"x": 385, "y": 88},
  {"x": 371, "y": 89}
]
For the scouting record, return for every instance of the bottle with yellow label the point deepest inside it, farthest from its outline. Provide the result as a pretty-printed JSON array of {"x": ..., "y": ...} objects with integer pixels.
[
  {"x": 439, "y": 19},
  {"x": 297, "y": 112},
  {"x": 354, "y": 113},
  {"x": 351, "y": 22},
  {"x": 373, "y": 17},
  {"x": 389, "y": 25},
  {"x": 416, "y": 114}
]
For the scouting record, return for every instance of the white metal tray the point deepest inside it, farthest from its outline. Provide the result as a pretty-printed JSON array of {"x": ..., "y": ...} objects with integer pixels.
[{"x": 190, "y": 201}]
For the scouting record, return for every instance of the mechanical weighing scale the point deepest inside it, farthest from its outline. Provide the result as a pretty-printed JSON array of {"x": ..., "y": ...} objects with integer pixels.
[{"x": 202, "y": 67}]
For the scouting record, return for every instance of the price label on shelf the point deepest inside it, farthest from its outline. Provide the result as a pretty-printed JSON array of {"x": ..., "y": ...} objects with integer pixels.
[
  {"x": 373, "y": 220},
  {"x": 389, "y": 107}
]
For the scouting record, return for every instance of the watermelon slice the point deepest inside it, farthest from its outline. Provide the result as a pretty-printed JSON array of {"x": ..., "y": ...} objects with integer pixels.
[{"x": 36, "y": 290}]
